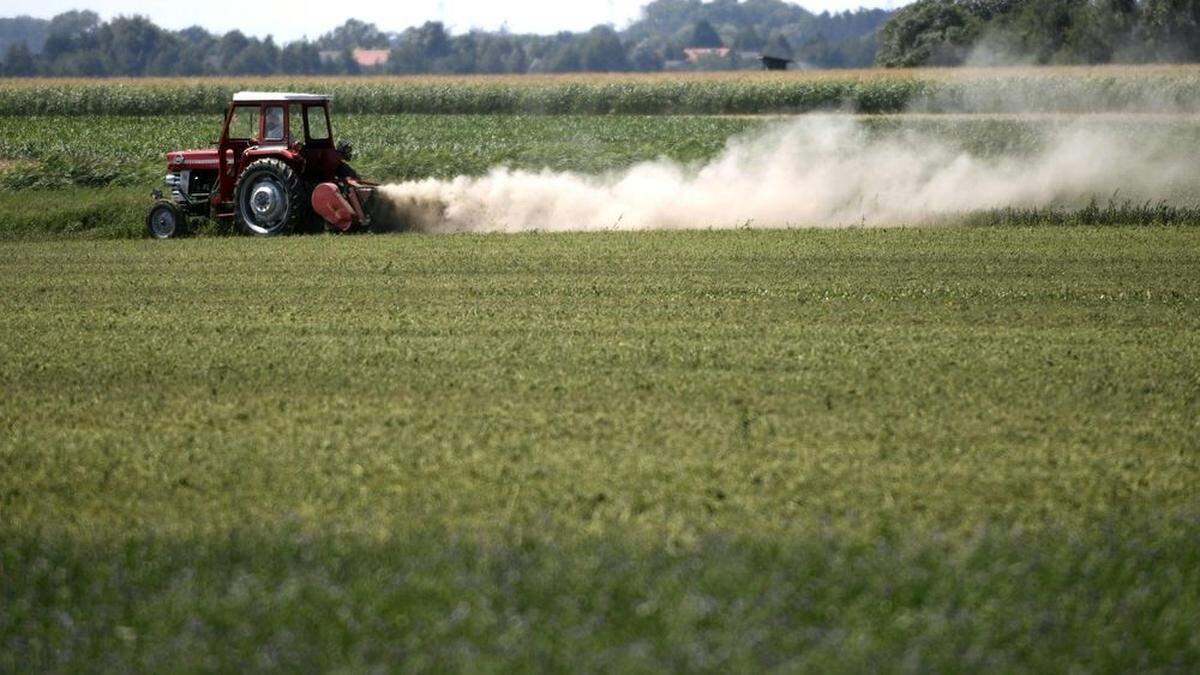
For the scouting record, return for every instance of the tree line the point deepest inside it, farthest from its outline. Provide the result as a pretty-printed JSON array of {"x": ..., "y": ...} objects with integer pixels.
[
  {"x": 1000, "y": 32},
  {"x": 80, "y": 44},
  {"x": 927, "y": 32}
]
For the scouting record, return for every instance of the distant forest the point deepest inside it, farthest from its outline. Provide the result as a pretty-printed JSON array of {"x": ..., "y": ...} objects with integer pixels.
[
  {"x": 670, "y": 34},
  {"x": 1000, "y": 32}
]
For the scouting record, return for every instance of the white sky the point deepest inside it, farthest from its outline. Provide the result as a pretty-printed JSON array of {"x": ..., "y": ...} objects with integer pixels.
[{"x": 291, "y": 20}]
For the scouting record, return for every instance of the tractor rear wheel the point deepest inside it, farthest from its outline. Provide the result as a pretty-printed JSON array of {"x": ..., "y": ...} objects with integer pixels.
[
  {"x": 269, "y": 198},
  {"x": 166, "y": 220}
]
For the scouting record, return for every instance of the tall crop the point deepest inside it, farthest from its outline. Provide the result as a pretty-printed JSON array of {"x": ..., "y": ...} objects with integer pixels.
[{"x": 1132, "y": 89}]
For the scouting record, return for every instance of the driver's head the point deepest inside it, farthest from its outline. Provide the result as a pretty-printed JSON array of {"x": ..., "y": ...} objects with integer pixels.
[{"x": 274, "y": 123}]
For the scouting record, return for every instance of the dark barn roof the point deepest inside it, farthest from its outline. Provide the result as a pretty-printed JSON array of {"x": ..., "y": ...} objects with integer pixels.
[{"x": 774, "y": 62}]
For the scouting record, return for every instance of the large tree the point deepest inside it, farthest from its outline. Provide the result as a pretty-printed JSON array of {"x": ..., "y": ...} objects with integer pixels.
[
  {"x": 928, "y": 32},
  {"x": 602, "y": 51},
  {"x": 18, "y": 61},
  {"x": 702, "y": 34},
  {"x": 778, "y": 47},
  {"x": 353, "y": 34}
]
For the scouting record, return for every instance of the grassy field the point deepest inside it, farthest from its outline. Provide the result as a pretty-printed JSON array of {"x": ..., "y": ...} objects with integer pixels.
[
  {"x": 60, "y": 151},
  {"x": 898, "y": 450}
]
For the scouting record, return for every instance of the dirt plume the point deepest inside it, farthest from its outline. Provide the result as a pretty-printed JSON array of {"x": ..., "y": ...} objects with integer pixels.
[{"x": 813, "y": 171}]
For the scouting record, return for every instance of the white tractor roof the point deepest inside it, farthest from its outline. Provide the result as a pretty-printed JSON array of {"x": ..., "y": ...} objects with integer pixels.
[{"x": 254, "y": 96}]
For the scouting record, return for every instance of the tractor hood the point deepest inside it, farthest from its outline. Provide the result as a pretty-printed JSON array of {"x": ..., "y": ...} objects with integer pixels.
[{"x": 192, "y": 160}]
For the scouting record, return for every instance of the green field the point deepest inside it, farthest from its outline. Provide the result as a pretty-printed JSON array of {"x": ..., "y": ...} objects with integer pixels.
[
  {"x": 912, "y": 449},
  {"x": 1079, "y": 89},
  {"x": 91, "y": 176},
  {"x": 898, "y": 450}
]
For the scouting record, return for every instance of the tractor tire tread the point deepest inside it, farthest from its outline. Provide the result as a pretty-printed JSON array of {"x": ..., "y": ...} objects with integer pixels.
[
  {"x": 292, "y": 184},
  {"x": 181, "y": 219}
]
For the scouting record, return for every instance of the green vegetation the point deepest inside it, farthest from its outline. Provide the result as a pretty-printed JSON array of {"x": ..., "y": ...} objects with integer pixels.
[
  {"x": 91, "y": 176},
  {"x": 58, "y": 174},
  {"x": 1126, "y": 89},
  {"x": 80, "y": 44},
  {"x": 841, "y": 450},
  {"x": 997, "y": 32},
  {"x": 46, "y": 152},
  {"x": 55, "y": 151},
  {"x": 74, "y": 213}
]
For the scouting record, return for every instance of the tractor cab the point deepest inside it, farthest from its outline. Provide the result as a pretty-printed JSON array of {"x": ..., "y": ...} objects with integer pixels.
[
  {"x": 260, "y": 124},
  {"x": 275, "y": 167}
]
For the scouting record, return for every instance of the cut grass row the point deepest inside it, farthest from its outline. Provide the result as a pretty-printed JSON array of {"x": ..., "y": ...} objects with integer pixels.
[
  {"x": 824, "y": 451},
  {"x": 120, "y": 213},
  {"x": 1156, "y": 88}
]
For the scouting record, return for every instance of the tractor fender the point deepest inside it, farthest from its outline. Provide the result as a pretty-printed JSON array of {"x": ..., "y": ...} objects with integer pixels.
[
  {"x": 281, "y": 152},
  {"x": 328, "y": 202}
]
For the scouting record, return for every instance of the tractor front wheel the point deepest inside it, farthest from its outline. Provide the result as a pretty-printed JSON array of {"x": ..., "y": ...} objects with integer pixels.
[
  {"x": 166, "y": 220},
  {"x": 269, "y": 197}
]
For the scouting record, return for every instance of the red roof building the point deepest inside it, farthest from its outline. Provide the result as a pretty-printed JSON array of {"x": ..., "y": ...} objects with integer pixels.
[
  {"x": 694, "y": 54},
  {"x": 370, "y": 58}
]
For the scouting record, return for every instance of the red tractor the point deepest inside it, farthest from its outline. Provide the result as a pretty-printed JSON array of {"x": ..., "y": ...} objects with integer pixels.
[{"x": 275, "y": 170}]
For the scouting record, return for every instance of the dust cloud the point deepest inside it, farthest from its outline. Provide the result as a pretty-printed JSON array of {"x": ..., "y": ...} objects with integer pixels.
[{"x": 812, "y": 171}]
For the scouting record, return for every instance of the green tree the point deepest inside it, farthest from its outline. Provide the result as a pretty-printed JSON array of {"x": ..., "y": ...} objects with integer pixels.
[
  {"x": 193, "y": 60},
  {"x": 602, "y": 51},
  {"x": 928, "y": 32},
  {"x": 166, "y": 59},
  {"x": 565, "y": 56},
  {"x": 647, "y": 55},
  {"x": 353, "y": 34},
  {"x": 778, "y": 47},
  {"x": 300, "y": 58},
  {"x": 1171, "y": 29},
  {"x": 703, "y": 35},
  {"x": 748, "y": 40},
  {"x": 493, "y": 57},
  {"x": 18, "y": 61},
  {"x": 433, "y": 41},
  {"x": 231, "y": 45},
  {"x": 129, "y": 44},
  {"x": 347, "y": 65},
  {"x": 25, "y": 29},
  {"x": 71, "y": 32}
]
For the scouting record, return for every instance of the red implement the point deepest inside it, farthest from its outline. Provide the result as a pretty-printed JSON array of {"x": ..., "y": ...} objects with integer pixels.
[{"x": 329, "y": 203}]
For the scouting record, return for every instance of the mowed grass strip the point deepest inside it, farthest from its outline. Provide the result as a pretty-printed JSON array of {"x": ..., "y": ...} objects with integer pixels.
[{"x": 850, "y": 450}]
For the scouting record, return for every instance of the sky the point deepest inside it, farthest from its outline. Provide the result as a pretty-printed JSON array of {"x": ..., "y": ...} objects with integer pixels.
[{"x": 298, "y": 18}]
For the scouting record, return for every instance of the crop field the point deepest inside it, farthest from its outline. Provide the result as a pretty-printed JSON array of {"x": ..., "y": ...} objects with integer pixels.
[
  {"x": 965, "y": 442},
  {"x": 842, "y": 450},
  {"x": 91, "y": 176},
  {"x": 1066, "y": 89}
]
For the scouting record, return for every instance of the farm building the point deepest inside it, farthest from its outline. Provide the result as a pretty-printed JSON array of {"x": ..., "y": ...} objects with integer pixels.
[
  {"x": 695, "y": 54},
  {"x": 365, "y": 58},
  {"x": 774, "y": 62},
  {"x": 371, "y": 58}
]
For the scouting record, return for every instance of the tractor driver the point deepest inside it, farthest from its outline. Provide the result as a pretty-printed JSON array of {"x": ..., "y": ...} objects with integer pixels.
[{"x": 274, "y": 124}]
